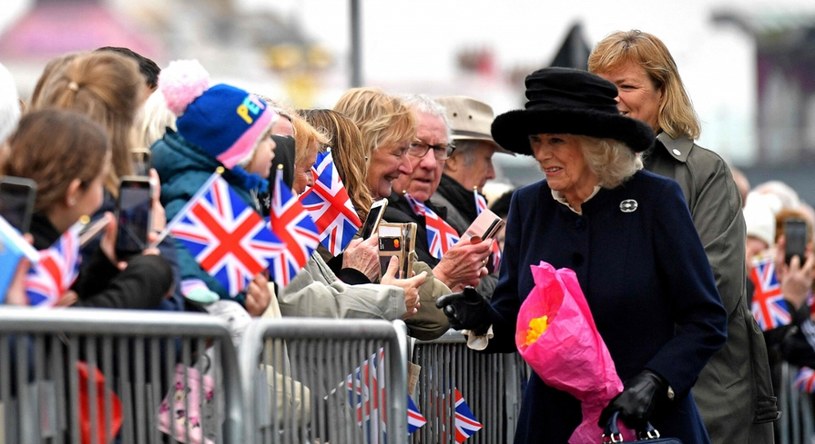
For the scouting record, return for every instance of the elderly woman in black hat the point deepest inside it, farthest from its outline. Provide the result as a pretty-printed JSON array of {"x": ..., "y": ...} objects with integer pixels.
[{"x": 629, "y": 238}]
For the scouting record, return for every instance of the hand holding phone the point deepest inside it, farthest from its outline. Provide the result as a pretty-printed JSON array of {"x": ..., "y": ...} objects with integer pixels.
[
  {"x": 795, "y": 237},
  {"x": 133, "y": 215}
]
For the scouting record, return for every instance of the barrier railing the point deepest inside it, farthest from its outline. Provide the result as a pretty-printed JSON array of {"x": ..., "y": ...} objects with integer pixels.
[
  {"x": 491, "y": 384},
  {"x": 85, "y": 376},
  {"x": 796, "y": 422},
  {"x": 318, "y": 380}
]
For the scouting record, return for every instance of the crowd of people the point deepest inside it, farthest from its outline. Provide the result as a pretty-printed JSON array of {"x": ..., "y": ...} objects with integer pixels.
[{"x": 673, "y": 249}]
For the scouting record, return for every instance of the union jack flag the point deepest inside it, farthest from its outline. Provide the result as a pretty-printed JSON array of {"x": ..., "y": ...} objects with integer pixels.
[
  {"x": 805, "y": 380},
  {"x": 56, "y": 271},
  {"x": 769, "y": 307},
  {"x": 367, "y": 395},
  {"x": 291, "y": 223},
  {"x": 440, "y": 235},
  {"x": 330, "y": 206},
  {"x": 481, "y": 205},
  {"x": 225, "y": 235},
  {"x": 415, "y": 418},
  {"x": 466, "y": 424}
]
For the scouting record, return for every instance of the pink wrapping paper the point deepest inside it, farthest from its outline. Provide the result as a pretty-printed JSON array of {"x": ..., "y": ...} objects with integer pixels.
[{"x": 570, "y": 355}]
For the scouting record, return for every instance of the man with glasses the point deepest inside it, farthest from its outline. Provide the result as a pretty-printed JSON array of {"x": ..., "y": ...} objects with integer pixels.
[
  {"x": 436, "y": 241},
  {"x": 470, "y": 165}
]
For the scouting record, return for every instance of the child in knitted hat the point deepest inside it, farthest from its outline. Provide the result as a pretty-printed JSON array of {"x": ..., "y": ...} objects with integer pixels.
[{"x": 217, "y": 126}]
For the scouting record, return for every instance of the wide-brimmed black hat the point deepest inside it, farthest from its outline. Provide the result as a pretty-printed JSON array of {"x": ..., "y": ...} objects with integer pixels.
[{"x": 569, "y": 101}]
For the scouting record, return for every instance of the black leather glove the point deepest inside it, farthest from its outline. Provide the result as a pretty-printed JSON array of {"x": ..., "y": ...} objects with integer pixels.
[
  {"x": 636, "y": 403},
  {"x": 467, "y": 309}
]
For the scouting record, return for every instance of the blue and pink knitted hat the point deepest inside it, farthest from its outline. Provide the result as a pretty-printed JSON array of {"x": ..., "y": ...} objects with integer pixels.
[{"x": 224, "y": 121}]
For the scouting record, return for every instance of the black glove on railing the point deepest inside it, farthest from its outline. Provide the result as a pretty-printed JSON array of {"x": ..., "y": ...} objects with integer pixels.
[
  {"x": 466, "y": 309},
  {"x": 636, "y": 403}
]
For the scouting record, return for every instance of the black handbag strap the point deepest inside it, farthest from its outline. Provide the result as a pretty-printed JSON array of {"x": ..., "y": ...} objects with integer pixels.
[{"x": 611, "y": 433}]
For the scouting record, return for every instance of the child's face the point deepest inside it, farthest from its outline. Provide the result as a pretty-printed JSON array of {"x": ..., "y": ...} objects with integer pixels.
[{"x": 262, "y": 160}]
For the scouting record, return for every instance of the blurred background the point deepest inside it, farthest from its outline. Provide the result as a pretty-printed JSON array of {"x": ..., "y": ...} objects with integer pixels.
[{"x": 749, "y": 65}]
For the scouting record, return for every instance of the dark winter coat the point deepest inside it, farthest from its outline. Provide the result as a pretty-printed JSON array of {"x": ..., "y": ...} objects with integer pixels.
[{"x": 648, "y": 284}]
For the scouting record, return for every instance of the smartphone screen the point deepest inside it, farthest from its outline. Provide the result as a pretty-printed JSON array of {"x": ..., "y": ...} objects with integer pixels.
[
  {"x": 795, "y": 235},
  {"x": 17, "y": 196},
  {"x": 133, "y": 216},
  {"x": 374, "y": 217}
]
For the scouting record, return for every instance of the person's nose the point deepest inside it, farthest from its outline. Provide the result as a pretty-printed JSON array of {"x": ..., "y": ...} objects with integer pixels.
[
  {"x": 428, "y": 161},
  {"x": 490, "y": 170},
  {"x": 405, "y": 165}
]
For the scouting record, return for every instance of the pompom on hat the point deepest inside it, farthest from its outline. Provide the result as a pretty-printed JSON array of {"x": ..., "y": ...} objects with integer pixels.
[
  {"x": 224, "y": 121},
  {"x": 569, "y": 101},
  {"x": 9, "y": 104}
]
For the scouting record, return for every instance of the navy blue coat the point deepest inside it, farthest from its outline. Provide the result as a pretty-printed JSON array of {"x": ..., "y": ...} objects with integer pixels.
[{"x": 647, "y": 280}]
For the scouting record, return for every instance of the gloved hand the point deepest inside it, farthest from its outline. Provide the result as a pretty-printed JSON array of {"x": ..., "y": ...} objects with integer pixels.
[
  {"x": 466, "y": 309},
  {"x": 636, "y": 403}
]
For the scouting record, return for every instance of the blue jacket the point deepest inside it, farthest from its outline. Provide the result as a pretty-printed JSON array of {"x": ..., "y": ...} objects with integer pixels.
[
  {"x": 648, "y": 283},
  {"x": 183, "y": 169}
]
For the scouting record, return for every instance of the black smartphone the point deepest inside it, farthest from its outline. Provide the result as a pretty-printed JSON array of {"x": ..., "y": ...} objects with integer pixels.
[
  {"x": 371, "y": 223},
  {"x": 795, "y": 236},
  {"x": 133, "y": 215},
  {"x": 17, "y": 196}
]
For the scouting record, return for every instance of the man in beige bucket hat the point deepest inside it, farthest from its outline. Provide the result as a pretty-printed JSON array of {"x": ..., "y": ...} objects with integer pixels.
[{"x": 470, "y": 166}]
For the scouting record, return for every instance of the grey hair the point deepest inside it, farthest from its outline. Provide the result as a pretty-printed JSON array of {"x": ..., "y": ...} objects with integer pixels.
[
  {"x": 425, "y": 104},
  {"x": 613, "y": 161},
  {"x": 464, "y": 150}
]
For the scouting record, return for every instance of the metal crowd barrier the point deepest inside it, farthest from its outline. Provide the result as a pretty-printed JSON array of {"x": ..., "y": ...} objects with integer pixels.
[
  {"x": 319, "y": 381},
  {"x": 93, "y": 376},
  {"x": 796, "y": 422},
  {"x": 491, "y": 384}
]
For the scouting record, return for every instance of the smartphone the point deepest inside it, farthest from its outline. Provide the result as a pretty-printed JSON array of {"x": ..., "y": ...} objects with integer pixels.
[
  {"x": 17, "y": 196},
  {"x": 795, "y": 235},
  {"x": 398, "y": 240},
  {"x": 133, "y": 214},
  {"x": 371, "y": 223},
  {"x": 486, "y": 225}
]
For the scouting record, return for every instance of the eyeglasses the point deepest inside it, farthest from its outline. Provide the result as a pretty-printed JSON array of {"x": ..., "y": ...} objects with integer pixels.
[{"x": 440, "y": 151}]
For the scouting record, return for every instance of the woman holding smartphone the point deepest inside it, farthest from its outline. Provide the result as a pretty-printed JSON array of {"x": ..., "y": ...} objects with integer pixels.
[{"x": 70, "y": 167}]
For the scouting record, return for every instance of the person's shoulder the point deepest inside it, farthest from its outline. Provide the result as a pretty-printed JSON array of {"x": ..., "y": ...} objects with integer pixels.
[
  {"x": 532, "y": 189},
  {"x": 647, "y": 182}
]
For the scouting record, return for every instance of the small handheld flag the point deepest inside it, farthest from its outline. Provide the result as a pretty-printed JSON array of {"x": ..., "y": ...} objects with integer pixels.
[
  {"x": 768, "y": 306},
  {"x": 466, "y": 424},
  {"x": 56, "y": 270},
  {"x": 293, "y": 225},
  {"x": 330, "y": 206},
  {"x": 225, "y": 235},
  {"x": 440, "y": 235}
]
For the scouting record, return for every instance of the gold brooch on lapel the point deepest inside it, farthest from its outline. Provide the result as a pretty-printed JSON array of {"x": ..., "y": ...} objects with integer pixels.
[{"x": 628, "y": 206}]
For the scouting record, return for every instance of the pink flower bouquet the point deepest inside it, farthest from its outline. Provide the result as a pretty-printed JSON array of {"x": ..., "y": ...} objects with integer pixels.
[{"x": 557, "y": 337}]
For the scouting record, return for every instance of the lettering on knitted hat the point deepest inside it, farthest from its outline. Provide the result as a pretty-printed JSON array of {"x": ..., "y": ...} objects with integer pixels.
[{"x": 250, "y": 108}]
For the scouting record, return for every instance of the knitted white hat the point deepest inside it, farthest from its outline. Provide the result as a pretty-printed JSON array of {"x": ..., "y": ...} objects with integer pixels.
[
  {"x": 760, "y": 217},
  {"x": 9, "y": 104}
]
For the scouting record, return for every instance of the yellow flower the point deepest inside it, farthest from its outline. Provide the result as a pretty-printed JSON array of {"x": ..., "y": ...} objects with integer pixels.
[{"x": 537, "y": 327}]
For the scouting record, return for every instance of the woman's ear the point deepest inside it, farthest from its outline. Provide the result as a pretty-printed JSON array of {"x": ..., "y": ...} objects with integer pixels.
[{"x": 73, "y": 192}]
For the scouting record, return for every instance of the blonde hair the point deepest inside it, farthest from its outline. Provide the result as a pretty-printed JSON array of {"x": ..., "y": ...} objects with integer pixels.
[
  {"x": 381, "y": 118},
  {"x": 104, "y": 86},
  {"x": 348, "y": 153},
  {"x": 676, "y": 114},
  {"x": 307, "y": 140},
  {"x": 612, "y": 161},
  {"x": 151, "y": 123}
]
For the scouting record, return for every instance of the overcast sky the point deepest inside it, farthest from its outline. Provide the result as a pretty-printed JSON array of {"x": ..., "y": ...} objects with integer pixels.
[{"x": 410, "y": 44}]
